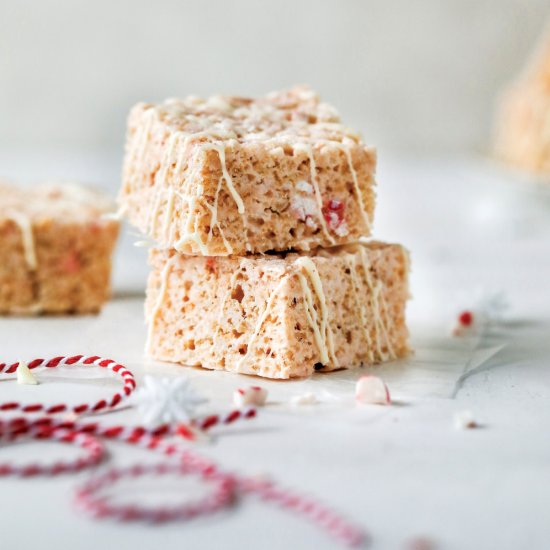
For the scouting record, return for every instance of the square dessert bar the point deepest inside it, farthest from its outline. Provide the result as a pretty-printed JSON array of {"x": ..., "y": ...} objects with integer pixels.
[
  {"x": 231, "y": 175},
  {"x": 55, "y": 249},
  {"x": 280, "y": 315},
  {"x": 523, "y": 116},
  {"x": 523, "y": 133}
]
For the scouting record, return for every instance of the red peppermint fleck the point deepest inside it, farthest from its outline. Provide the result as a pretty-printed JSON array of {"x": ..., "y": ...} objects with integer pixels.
[
  {"x": 95, "y": 227},
  {"x": 70, "y": 263},
  {"x": 333, "y": 212},
  {"x": 211, "y": 265},
  {"x": 466, "y": 318}
]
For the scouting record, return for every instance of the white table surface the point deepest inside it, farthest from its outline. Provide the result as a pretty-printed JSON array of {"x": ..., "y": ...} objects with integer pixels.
[{"x": 402, "y": 471}]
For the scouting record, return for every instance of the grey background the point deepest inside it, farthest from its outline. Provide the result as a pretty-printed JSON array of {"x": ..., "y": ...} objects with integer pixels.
[{"x": 410, "y": 74}]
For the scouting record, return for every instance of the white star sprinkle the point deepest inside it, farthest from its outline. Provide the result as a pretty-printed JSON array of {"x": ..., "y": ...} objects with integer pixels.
[{"x": 166, "y": 400}]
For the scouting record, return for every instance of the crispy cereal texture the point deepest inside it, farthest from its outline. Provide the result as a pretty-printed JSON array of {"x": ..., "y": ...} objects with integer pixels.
[
  {"x": 523, "y": 117},
  {"x": 55, "y": 249},
  {"x": 230, "y": 175},
  {"x": 279, "y": 316}
]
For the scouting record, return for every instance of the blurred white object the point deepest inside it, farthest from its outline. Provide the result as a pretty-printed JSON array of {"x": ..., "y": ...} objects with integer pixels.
[
  {"x": 308, "y": 398},
  {"x": 24, "y": 375},
  {"x": 253, "y": 395},
  {"x": 371, "y": 389},
  {"x": 464, "y": 420},
  {"x": 166, "y": 400}
]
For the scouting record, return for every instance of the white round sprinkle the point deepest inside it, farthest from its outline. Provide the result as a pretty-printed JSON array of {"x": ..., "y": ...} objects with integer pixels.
[{"x": 253, "y": 395}]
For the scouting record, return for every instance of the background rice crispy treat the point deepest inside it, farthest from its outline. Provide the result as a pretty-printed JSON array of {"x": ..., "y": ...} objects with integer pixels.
[
  {"x": 279, "y": 316},
  {"x": 55, "y": 249},
  {"x": 523, "y": 118},
  {"x": 523, "y": 138},
  {"x": 230, "y": 175}
]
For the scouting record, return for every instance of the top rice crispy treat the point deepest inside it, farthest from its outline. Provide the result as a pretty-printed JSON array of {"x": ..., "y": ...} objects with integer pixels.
[
  {"x": 523, "y": 118},
  {"x": 230, "y": 175},
  {"x": 55, "y": 249}
]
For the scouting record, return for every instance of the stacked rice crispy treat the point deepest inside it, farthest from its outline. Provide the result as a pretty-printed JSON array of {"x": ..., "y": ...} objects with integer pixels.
[
  {"x": 259, "y": 208},
  {"x": 56, "y": 248}
]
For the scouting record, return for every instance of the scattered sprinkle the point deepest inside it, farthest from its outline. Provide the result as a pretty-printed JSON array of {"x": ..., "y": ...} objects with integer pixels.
[
  {"x": 253, "y": 395},
  {"x": 372, "y": 390},
  {"x": 308, "y": 398},
  {"x": 487, "y": 309},
  {"x": 464, "y": 420},
  {"x": 24, "y": 375},
  {"x": 468, "y": 323}
]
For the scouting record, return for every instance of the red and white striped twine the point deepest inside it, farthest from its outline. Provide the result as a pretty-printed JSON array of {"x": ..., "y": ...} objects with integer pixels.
[
  {"x": 220, "y": 497},
  {"x": 94, "y": 449},
  {"x": 91, "y": 360},
  {"x": 225, "y": 487}
]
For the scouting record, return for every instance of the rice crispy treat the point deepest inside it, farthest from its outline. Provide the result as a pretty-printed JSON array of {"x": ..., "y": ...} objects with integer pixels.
[
  {"x": 55, "y": 249},
  {"x": 279, "y": 316},
  {"x": 523, "y": 118},
  {"x": 231, "y": 175}
]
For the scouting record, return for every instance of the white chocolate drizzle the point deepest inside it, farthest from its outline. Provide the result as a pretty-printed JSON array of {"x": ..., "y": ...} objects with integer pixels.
[
  {"x": 384, "y": 311},
  {"x": 139, "y": 148},
  {"x": 164, "y": 274},
  {"x": 28, "y": 208},
  {"x": 168, "y": 213},
  {"x": 191, "y": 199},
  {"x": 379, "y": 323},
  {"x": 360, "y": 305},
  {"x": 115, "y": 216},
  {"x": 321, "y": 327},
  {"x": 261, "y": 320},
  {"x": 27, "y": 237},
  {"x": 356, "y": 187},
  {"x": 154, "y": 214},
  {"x": 228, "y": 180},
  {"x": 313, "y": 170},
  {"x": 223, "y": 302}
]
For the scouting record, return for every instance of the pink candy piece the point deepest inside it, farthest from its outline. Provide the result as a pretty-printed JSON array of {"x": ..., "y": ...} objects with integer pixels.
[
  {"x": 333, "y": 211},
  {"x": 253, "y": 395},
  {"x": 371, "y": 389}
]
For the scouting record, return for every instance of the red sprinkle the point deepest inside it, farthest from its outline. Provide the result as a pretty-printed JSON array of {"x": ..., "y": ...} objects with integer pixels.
[
  {"x": 335, "y": 205},
  {"x": 70, "y": 263},
  {"x": 333, "y": 212},
  {"x": 466, "y": 318}
]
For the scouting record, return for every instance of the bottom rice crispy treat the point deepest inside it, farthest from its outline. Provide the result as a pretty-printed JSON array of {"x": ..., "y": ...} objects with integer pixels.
[
  {"x": 281, "y": 315},
  {"x": 55, "y": 249}
]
